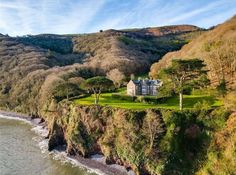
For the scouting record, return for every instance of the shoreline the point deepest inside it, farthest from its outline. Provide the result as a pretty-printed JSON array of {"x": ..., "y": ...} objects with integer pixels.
[
  {"x": 93, "y": 165},
  {"x": 15, "y": 116}
]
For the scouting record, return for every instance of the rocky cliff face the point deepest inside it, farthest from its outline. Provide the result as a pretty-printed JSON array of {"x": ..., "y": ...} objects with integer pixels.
[
  {"x": 124, "y": 137},
  {"x": 153, "y": 141}
]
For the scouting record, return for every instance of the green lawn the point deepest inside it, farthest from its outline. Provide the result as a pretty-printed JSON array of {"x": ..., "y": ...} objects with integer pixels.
[{"x": 172, "y": 103}]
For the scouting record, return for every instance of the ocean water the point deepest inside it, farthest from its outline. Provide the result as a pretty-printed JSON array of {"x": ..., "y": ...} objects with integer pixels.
[{"x": 20, "y": 153}]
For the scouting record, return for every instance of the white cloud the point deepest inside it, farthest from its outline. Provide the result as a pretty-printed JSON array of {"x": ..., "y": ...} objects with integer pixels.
[
  {"x": 80, "y": 16},
  {"x": 10, "y": 5},
  {"x": 127, "y": 16},
  {"x": 19, "y": 17},
  {"x": 47, "y": 16},
  {"x": 195, "y": 12},
  {"x": 151, "y": 13},
  {"x": 218, "y": 18}
]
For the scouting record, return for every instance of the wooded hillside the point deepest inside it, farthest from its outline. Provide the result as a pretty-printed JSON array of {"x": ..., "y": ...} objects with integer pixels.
[
  {"x": 216, "y": 47},
  {"x": 35, "y": 68}
]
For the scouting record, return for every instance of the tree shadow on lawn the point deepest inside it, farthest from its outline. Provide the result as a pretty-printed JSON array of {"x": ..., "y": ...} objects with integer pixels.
[
  {"x": 170, "y": 103},
  {"x": 189, "y": 101}
]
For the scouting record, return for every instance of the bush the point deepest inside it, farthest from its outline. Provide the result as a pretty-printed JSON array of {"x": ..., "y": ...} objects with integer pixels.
[
  {"x": 66, "y": 90},
  {"x": 140, "y": 99},
  {"x": 204, "y": 105},
  {"x": 152, "y": 99},
  {"x": 187, "y": 90},
  {"x": 166, "y": 90},
  {"x": 202, "y": 108},
  {"x": 123, "y": 97},
  {"x": 221, "y": 88},
  {"x": 184, "y": 142},
  {"x": 230, "y": 101},
  {"x": 210, "y": 92}
]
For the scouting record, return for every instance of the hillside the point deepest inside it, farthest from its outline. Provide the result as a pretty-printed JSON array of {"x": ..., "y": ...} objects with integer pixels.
[
  {"x": 33, "y": 66},
  {"x": 149, "y": 141},
  {"x": 216, "y": 48},
  {"x": 113, "y": 49},
  {"x": 46, "y": 76},
  {"x": 165, "y": 30}
]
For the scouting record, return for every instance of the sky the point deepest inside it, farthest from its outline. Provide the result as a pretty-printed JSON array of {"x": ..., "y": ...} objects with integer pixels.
[{"x": 21, "y": 17}]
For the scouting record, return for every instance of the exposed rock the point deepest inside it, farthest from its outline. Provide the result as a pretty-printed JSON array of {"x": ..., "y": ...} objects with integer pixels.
[
  {"x": 56, "y": 136},
  {"x": 90, "y": 130}
]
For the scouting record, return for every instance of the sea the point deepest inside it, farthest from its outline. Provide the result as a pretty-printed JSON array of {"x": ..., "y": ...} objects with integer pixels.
[{"x": 23, "y": 151}]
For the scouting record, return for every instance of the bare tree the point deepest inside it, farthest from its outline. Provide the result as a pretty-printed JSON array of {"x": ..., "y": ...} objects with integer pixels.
[
  {"x": 152, "y": 128},
  {"x": 116, "y": 76}
]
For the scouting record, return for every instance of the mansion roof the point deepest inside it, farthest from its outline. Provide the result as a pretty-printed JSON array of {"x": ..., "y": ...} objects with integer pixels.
[{"x": 147, "y": 82}]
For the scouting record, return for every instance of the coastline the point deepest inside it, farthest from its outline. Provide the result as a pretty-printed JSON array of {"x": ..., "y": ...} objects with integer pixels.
[
  {"x": 16, "y": 116},
  {"x": 95, "y": 164}
]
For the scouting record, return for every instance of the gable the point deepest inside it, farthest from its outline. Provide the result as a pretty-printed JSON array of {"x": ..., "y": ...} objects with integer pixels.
[{"x": 131, "y": 84}]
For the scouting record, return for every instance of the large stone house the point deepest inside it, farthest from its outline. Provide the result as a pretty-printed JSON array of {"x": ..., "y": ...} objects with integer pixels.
[{"x": 143, "y": 87}]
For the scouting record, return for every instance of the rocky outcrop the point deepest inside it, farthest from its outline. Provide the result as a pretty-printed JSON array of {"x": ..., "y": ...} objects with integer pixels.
[
  {"x": 56, "y": 136},
  {"x": 124, "y": 137}
]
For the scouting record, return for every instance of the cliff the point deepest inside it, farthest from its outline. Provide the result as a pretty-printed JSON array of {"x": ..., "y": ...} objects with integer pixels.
[
  {"x": 148, "y": 141},
  {"x": 122, "y": 136}
]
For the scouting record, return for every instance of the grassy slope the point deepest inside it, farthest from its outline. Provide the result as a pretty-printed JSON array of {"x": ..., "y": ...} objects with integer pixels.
[{"x": 172, "y": 103}]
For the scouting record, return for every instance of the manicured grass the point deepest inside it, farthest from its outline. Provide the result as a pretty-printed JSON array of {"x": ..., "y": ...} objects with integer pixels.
[
  {"x": 106, "y": 99},
  {"x": 190, "y": 101},
  {"x": 171, "y": 103}
]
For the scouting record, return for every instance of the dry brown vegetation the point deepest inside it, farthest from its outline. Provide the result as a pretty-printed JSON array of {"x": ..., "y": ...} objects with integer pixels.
[
  {"x": 131, "y": 51},
  {"x": 216, "y": 47},
  {"x": 24, "y": 69},
  {"x": 36, "y": 72},
  {"x": 116, "y": 76},
  {"x": 35, "y": 69}
]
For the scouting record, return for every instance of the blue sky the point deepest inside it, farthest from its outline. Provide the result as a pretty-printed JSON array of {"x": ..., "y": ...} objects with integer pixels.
[{"x": 20, "y": 17}]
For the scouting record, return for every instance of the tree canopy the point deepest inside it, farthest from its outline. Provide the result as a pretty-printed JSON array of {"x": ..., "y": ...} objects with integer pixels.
[
  {"x": 181, "y": 72},
  {"x": 116, "y": 76},
  {"x": 97, "y": 85}
]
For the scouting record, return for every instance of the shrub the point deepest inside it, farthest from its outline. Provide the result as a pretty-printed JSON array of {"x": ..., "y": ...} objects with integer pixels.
[
  {"x": 53, "y": 42},
  {"x": 204, "y": 105},
  {"x": 230, "y": 101},
  {"x": 140, "y": 99},
  {"x": 184, "y": 142},
  {"x": 66, "y": 90},
  {"x": 210, "y": 92},
  {"x": 222, "y": 89},
  {"x": 163, "y": 99},
  {"x": 123, "y": 97},
  {"x": 187, "y": 90}
]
